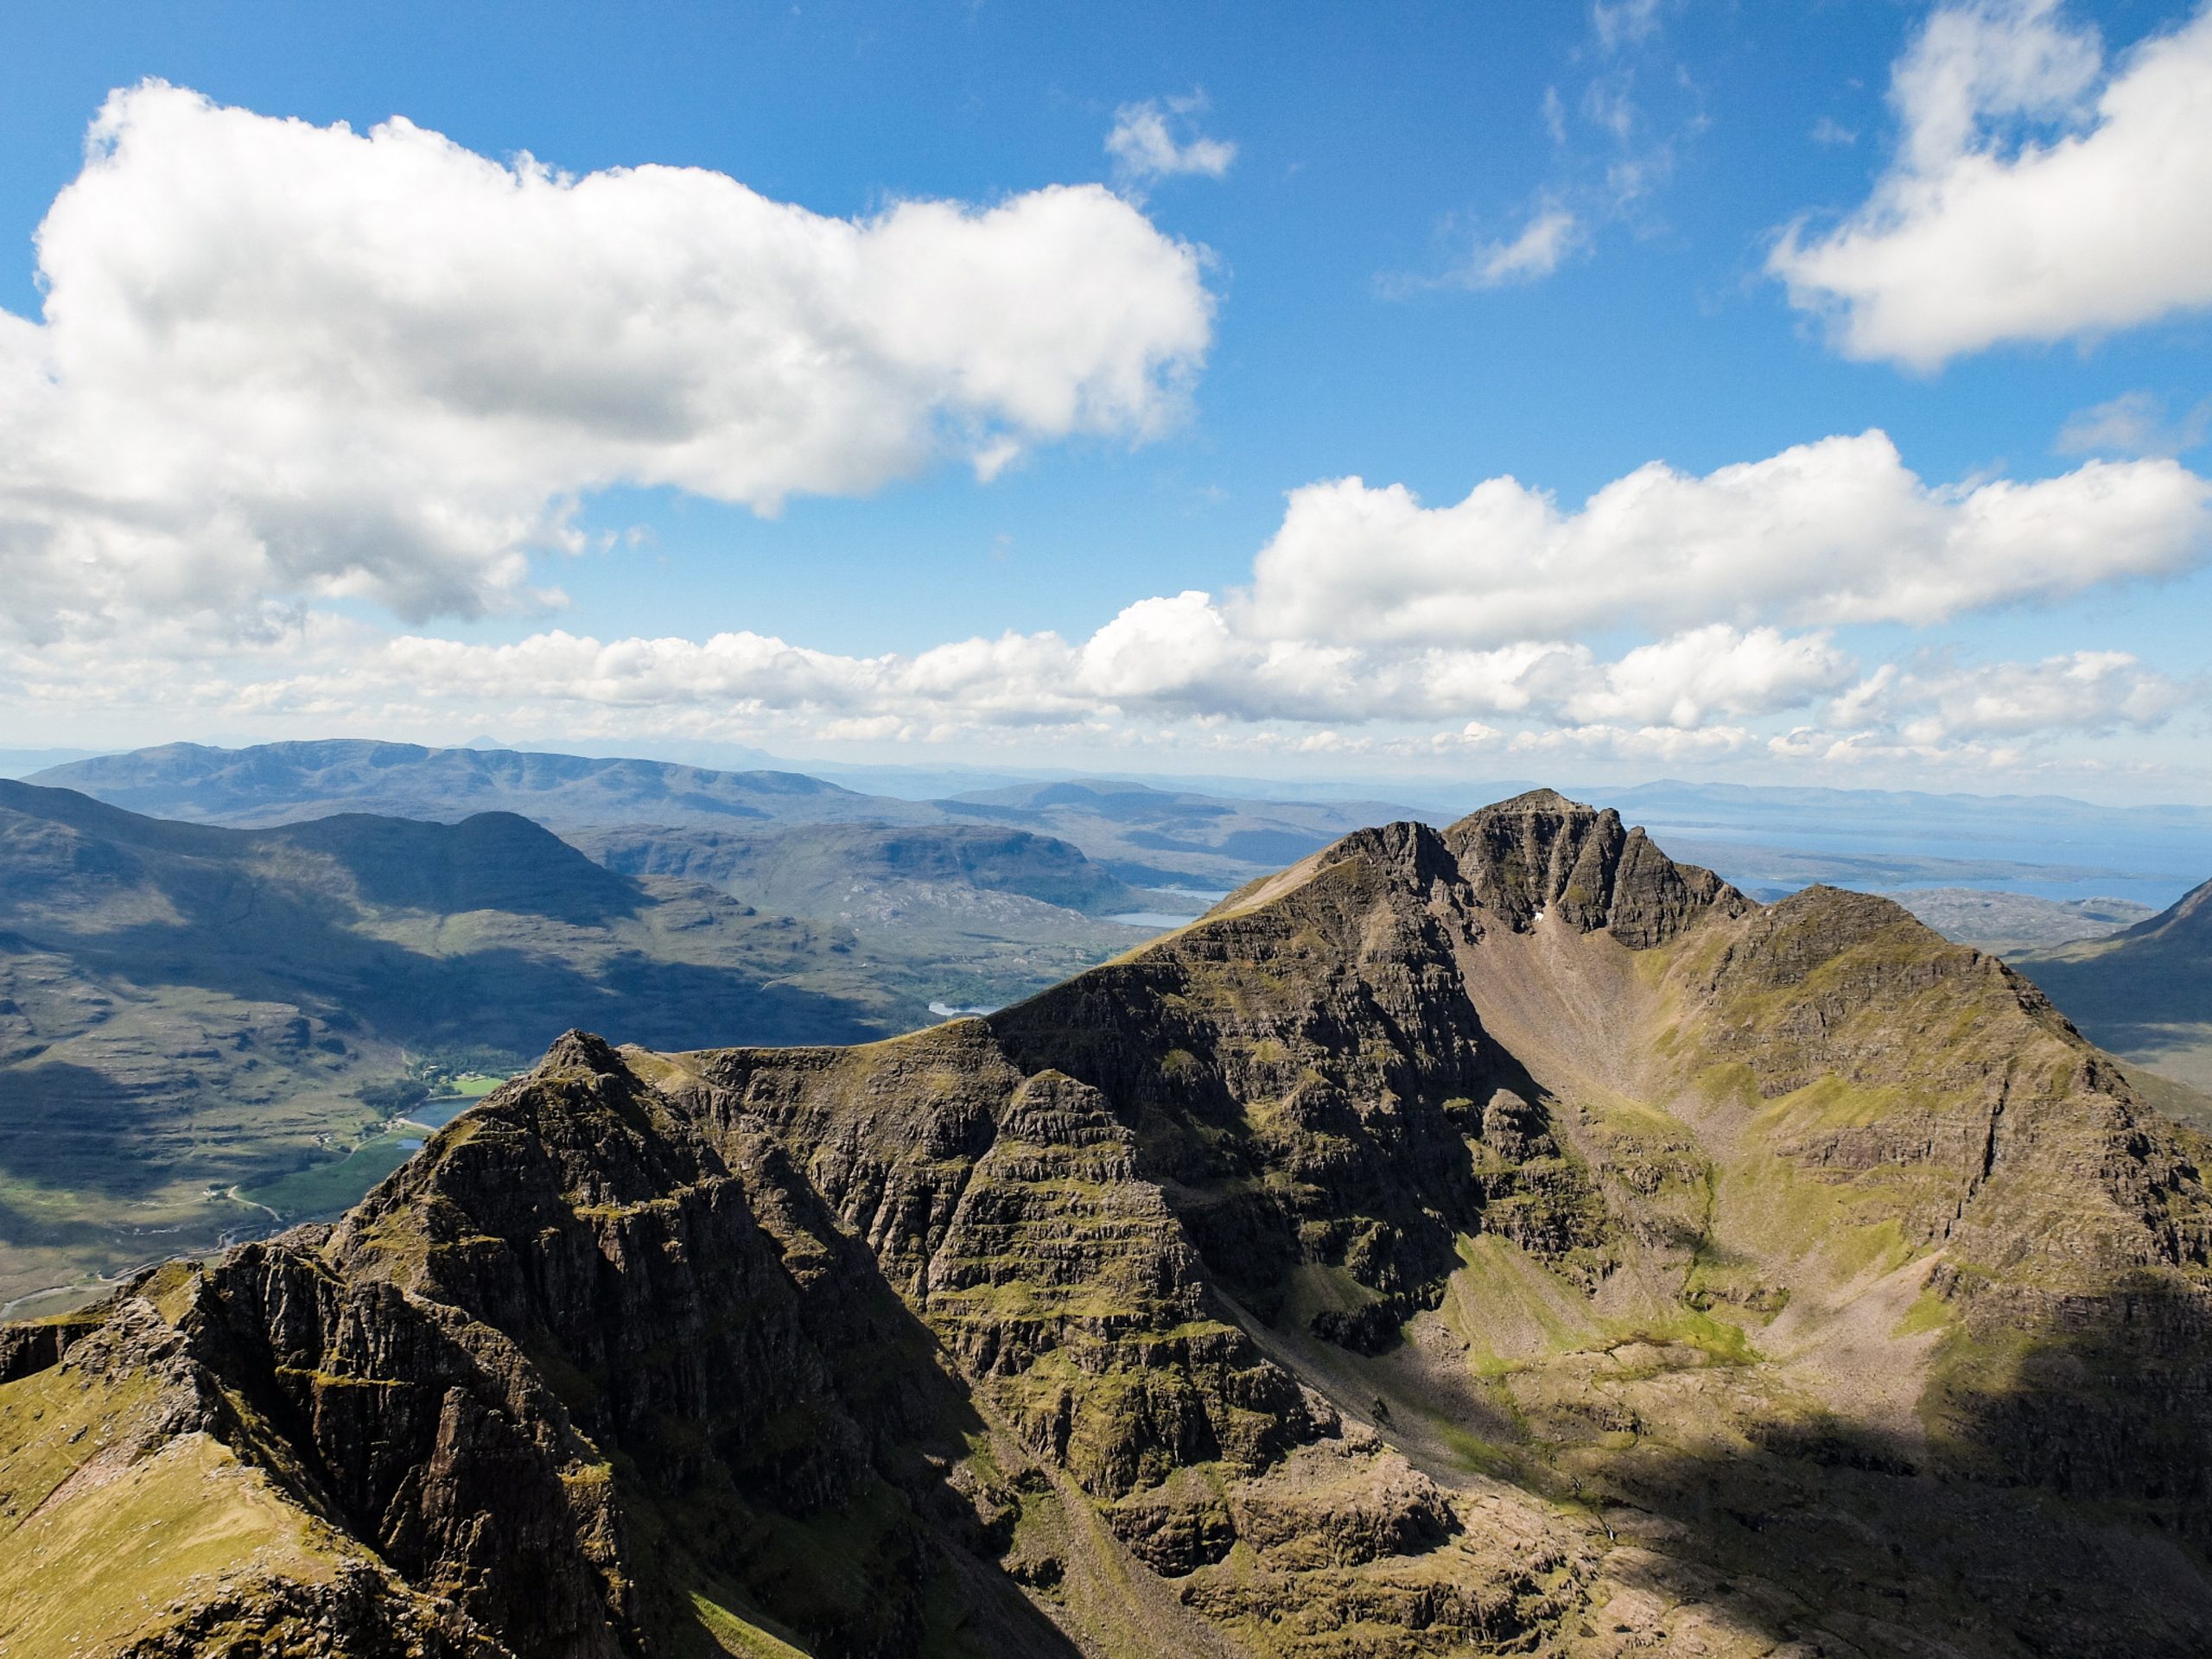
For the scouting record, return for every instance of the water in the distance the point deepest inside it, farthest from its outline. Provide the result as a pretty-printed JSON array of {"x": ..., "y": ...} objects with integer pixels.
[
  {"x": 441, "y": 1109},
  {"x": 1190, "y": 903}
]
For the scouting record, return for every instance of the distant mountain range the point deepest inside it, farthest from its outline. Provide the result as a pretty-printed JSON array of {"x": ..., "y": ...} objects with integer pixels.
[
  {"x": 184, "y": 1006},
  {"x": 2044, "y": 845},
  {"x": 282, "y": 782},
  {"x": 1214, "y": 834},
  {"x": 1156, "y": 836},
  {"x": 1145, "y": 836},
  {"x": 957, "y": 905}
]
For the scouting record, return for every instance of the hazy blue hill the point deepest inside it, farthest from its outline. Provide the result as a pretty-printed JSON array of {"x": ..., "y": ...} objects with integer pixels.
[
  {"x": 69, "y": 808},
  {"x": 1143, "y": 834},
  {"x": 1769, "y": 841},
  {"x": 820, "y": 869},
  {"x": 277, "y": 783},
  {"x": 2145, "y": 993},
  {"x": 495, "y": 861},
  {"x": 1148, "y": 835},
  {"x": 21, "y": 763},
  {"x": 955, "y": 915},
  {"x": 955, "y": 907},
  {"x": 1208, "y": 834},
  {"x": 2183, "y": 929}
]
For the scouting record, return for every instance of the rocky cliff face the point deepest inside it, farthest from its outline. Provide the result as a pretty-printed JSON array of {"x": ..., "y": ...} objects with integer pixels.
[{"x": 1503, "y": 1240}]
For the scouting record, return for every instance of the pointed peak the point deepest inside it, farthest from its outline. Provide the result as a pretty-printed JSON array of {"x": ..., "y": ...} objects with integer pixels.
[
  {"x": 1533, "y": 803},
  {"x": 582, "y": 1051}
]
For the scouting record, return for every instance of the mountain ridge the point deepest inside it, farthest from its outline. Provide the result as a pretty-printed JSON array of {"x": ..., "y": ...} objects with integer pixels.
[
  {"x": 1493, "y": 1239},
  {"x": 2188, "y": 918},
  {"x": 277, "y": 783}
]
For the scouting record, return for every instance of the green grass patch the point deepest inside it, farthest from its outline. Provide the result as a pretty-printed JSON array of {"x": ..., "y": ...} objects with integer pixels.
[
  {"x": 1510, "y": 1309},
  {"x": 1482, "y": 1457},
  {"x": 87, "y": 1571},
  {"x": 1721, "y": 1341},
  {"x": 328, "y": 1189},
  {"x": 739, "y": 1636},
  {"x": 1928, "y": 1313}
]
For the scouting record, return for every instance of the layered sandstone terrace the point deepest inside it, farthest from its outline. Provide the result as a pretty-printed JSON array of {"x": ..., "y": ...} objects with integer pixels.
[{"x": 1498, "y": 1239}]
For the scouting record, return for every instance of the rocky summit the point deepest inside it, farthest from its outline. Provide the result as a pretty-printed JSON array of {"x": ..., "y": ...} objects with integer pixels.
[{"x": 1495, "y": 1240}]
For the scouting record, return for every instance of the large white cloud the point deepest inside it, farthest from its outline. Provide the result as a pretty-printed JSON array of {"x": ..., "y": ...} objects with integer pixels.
[
  {"x": 1836, "y": 531},
  {"x": 1968, "y": 241},
  {"x": 1715, "y": 670},
  {"x": 283, "y": 359}
]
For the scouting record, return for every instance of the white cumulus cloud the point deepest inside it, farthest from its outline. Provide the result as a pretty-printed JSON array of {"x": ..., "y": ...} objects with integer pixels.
[
  {"x": 1836, "y": 531},
  {"x": 283, "y": 359},
  {"x": 2099, "y": 219},
  {"x": 1671, "y": 618},
  {"x": 1714, "y": 670}
]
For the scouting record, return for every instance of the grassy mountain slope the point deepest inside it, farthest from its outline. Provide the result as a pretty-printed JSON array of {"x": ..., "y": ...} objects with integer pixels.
[{"x": 1498, "y": 1240}]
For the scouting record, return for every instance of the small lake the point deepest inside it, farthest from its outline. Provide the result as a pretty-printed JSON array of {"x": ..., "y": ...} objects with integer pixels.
[
  {"x": 436, "y": 1114},
  {"x": 946, "y": 1011},
  {"x": 1155, "y": 920}
]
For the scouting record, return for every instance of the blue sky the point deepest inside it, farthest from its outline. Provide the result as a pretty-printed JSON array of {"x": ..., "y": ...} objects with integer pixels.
[{"x": 1360, "y": 312}]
